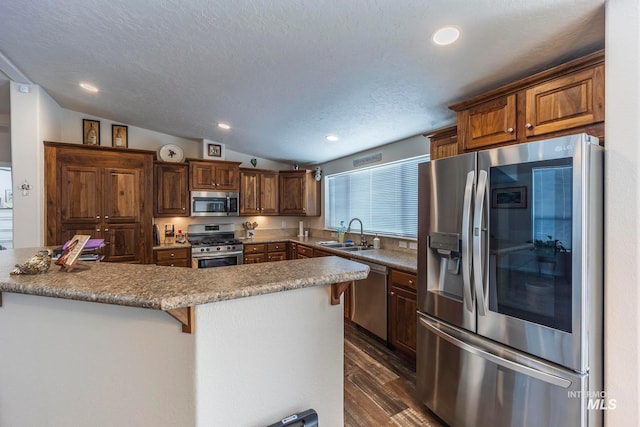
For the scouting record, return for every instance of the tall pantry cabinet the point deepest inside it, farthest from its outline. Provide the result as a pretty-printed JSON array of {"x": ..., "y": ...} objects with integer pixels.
[{"x": 104, "y": 192}]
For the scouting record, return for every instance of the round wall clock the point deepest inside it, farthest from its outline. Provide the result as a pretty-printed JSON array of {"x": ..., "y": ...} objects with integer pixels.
[{"x": 171, "y": 153}]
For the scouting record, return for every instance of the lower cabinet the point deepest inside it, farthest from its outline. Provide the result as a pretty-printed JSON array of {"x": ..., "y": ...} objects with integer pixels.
[
  {"x": 277, "y": 251},
  {"x": 265, "y": 252},
  {"x": 402, "y": 317},
  {"x": 304, "y": 252},
  {"x": 173, "y": 257}
]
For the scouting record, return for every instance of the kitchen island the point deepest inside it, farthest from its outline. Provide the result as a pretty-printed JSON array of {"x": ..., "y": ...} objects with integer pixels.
[{"x": 96, "y": 347}]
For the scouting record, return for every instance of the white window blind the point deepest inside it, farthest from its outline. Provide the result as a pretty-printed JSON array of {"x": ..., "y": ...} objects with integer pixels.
[{"x": 384, "y": 197}]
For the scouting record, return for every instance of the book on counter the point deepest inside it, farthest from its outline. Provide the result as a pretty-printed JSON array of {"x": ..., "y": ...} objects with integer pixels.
[{"x": 76, "y": 250}]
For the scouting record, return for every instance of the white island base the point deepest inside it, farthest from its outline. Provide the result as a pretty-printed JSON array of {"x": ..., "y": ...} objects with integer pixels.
[{"x": 250, "y": 362}]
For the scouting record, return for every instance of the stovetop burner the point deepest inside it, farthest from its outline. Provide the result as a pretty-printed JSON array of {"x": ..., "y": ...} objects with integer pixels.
[
  {"x": 210, "y": 238},
  {"x": 213, "y": 242}
]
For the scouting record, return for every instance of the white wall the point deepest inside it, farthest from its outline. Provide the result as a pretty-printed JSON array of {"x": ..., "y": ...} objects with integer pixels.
[
  {"x": 622, "y": 212},
  {"x": 276, "y": 366},
  {"x": 75, "y": 363},
  {"x": 35, "y": 117}
]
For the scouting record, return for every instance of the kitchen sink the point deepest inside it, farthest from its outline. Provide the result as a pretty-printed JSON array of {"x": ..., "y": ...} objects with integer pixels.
[
  {"x": 348, "y": 247},
  {"x": 355, "y": 248}
]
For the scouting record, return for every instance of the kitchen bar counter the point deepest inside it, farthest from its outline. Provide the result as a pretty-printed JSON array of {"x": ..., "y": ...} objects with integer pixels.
[
  {"x": 255, "y": 355},
  {"x": 166, "y": 288},
  {"x": 405, "y": 261}
]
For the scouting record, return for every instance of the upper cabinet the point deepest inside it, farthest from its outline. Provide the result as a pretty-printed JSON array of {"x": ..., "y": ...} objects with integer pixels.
[
  {"x": 565, "y": 99},
  {"x": 444, "y": 143},
  {"x": 208, "y": 175},
  {"x": 258, "y": 192},
  {"x": 171, "y": 189},
  {"x": 299, "y": 193}
]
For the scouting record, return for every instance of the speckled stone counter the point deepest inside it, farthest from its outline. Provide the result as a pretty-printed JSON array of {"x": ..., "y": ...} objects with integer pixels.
[
  {"x": 167, "y": 288},
  {"x": 406, "y": 261}
]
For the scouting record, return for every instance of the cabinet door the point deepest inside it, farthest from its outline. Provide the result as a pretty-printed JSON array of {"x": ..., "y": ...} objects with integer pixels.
[
  {"x": 443, "y": 143},
  {"x": 122, "y": 242},
  {"x": 305, "y": 252},
  {"x": 227, "y": 177},
  {"x": 570, "y": 101},
  {"x": 292, "y": 194},
  {"x": 122, "y": 188},
  {"x": 492, "y": 122},
  {"x": 402, "y": 312},
  {"x": 254, "y": 258},
  {"x": 277, "y": 256},
  {"x": 202, "y": 176},
  {"x": 249, "y": 193},
  {"x": 80, "y": 195},
  {"x": 269, "y": 193},
  {"x": 171, "y": 190}
]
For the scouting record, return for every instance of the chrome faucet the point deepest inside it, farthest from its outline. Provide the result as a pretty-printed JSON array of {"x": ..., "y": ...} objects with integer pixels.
[{"x": 363, "y": 240}]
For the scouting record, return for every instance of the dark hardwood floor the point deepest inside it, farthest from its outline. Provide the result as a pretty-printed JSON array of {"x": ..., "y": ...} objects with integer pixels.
[{"x": 379, "y": 386}]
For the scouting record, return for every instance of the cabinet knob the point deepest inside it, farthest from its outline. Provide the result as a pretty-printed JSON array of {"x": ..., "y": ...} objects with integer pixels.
[
  {"x": 510, "y": 130},
  {"x": 98, "y": 230},
  {"x": 392, "y": 293},
  {"x": 106, "y": 217},
  {"x": 411, "y": 282},
  {"x": 106, "y": 229},
  {"x": 173, "y": 255},
  {"x": 97, "y": 216},
  {"x": 529, "y": 126}
]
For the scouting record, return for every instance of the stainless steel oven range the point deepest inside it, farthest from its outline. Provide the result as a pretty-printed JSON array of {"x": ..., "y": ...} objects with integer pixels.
[{"x": 214, "y": 245}]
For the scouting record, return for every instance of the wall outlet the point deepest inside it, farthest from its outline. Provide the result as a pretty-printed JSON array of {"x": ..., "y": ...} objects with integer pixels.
[
  {"x": 283, "y": 224},
  {"x": 402, "y": 244},
  {"x": 413, "y": 245}
]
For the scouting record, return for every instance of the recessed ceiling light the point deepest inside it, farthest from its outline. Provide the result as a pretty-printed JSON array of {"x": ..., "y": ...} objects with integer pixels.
[
  {"x": 224, "y": 126},
  {"x": 89, "y": 87},
  {"x": 332, "y": 138},
  {"x": 446, "y": 35}
]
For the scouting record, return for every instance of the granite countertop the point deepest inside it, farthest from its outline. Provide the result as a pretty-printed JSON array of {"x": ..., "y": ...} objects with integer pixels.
[
  {"x": 405, "y": 261},
  {"x": 168, "y": 288}
]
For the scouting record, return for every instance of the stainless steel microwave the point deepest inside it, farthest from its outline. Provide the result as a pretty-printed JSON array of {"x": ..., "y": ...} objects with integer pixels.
[{"x": 214, "y": 203}]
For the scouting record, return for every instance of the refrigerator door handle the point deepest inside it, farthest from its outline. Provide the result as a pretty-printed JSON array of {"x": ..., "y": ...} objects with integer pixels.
[
  {"x": 466, "y": 252},
  {"x": 508, "y": 364},
  {"x": 478, "y": 212}
]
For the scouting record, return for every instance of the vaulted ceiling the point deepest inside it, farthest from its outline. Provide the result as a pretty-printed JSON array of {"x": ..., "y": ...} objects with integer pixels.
[{"x": 284, "y": 74}]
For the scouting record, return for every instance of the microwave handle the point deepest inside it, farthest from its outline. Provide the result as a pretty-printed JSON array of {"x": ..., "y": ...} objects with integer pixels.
[{"x": 228, "y": 204}]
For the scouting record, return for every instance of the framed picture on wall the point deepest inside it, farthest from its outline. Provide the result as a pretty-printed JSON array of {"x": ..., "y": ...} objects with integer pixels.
[
  {"x": 90, "y": 132},
  {"x": 212, "y": 150},
  {"x": 120, "y": 136}
]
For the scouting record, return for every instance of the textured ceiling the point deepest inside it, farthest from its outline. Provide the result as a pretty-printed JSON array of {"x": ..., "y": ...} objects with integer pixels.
[{"x": 286, "y": 73}]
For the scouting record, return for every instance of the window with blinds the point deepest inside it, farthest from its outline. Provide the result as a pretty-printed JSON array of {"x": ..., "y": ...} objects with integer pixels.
[{"x": 384, "y": 197}]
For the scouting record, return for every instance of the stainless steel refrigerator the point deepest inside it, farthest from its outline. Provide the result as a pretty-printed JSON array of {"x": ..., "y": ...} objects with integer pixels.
[{"x": 510, "y": 277}]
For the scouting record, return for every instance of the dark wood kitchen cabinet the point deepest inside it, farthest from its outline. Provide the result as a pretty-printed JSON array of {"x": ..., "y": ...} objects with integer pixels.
[
  {"x": 299, "y": 193},
  {"x": 559, "y": 101},
  {"x": 258, "y": 192},
  {"x": 402, "y": 317},
  {"x": 103, "y": 192},
  {"x": 173, "y": 257},
  {"x": 304, "y": 251},
  {"x": 265, "y": 252},
  {"x": 443, "y": 143},
  {"x": 171, "y": 189},
  {"x": 212, "y": 175}
]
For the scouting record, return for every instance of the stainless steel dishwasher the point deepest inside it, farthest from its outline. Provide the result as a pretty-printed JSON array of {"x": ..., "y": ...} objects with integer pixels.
[{"x": 369, "y": 300}]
